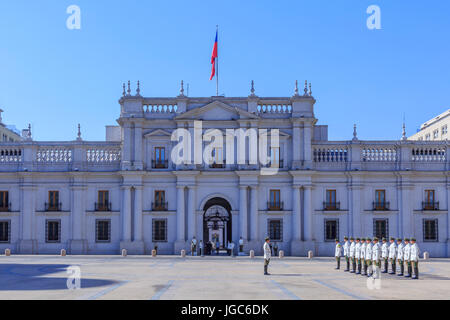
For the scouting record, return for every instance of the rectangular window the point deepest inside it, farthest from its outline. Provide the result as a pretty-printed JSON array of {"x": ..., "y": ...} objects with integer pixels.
[
  {"x": 428, "y": 137},
  {"x": 103, "y": 230},
  {"x": 160, "y": 158},
  {"x": 330, "y": 203},
  {"x": 159, "y": 230},
  {"x": 444, "y": 130},
  {"x": 435, "y": 134},
  {"x": 160, "y": 200},
  {"x": 275, "y": 157},
  {"x": 430, "y": 230},
  {"x": 380, "y": 200},
  {"x": 53, "y": 201},
  {"x": 4, "y": 201},
  {"x": 381, "y": 228},
  {"x": 275, "y": 201},
  {"x": 217, "y": 158},
  {"x": 53, "y": 230},
  {"x": 5, "y": 231},
  {"x": 103, "y": 201},
  {"x": 275, "y": 229},
  {"x": 331, "y": 231}
]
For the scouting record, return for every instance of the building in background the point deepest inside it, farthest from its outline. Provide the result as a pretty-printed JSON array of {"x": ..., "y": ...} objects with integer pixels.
[
  {"x": 8, "y": 133},
  {"x": 126, "y": 192},
  {"x": 434, "y": 129}
]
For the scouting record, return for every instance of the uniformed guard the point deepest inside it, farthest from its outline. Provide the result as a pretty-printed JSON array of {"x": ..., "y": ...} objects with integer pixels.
[
  {"x": 358, "y": 254},
  {"x": 352, "y": 254},
  {"x": 376, "y": 255},
  {"x": 392, "y": 255},
  {"x": 363, "y": 255},
  {"x": 241, "y": 245},
  {"x": 347, "y": 254},
  {"x": 400, "y": 256},
  {"x": 385, "y": 255},
  {"x": 407, "y": 257},
  {"x": 193, "y": 246},
  {"x": 414, "y": 258},
  {"x": 337, "y": 254},
  {"x": 267, "y": 256},
  {"x": 368, "y": 255}
]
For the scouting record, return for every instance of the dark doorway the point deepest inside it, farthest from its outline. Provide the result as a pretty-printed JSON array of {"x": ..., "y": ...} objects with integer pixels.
[{"x": 217, "y": 222}]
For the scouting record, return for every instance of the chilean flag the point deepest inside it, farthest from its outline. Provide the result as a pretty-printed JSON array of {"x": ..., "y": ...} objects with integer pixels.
[{"x": 213, "y": 58}]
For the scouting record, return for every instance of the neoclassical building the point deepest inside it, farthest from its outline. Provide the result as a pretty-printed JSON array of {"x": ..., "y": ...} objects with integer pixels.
[{"x": 94, "y": 197}]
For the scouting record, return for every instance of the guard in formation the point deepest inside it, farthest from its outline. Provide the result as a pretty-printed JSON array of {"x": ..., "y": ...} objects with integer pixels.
[{"x": 365, "y": 255}]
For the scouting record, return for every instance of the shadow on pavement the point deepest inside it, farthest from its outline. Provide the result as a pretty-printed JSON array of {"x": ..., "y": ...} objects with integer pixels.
[{"x": 38, "y": 277}]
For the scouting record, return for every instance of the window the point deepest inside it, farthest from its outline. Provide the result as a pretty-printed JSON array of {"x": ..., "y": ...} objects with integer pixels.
[
  {"x": 380, "y": 200},
  {"x": 4, "y": 201},
  {"x": 331, "y": 230},
  {"x": 103, "y": 230},
  {"x": 160, "y": 158},
  {"x": 53, "y": 230},
  {"x": 159, "y": 230},
  {"x": 53, "y": 201},
  {"x": 275, "y": 229},
  {"x": 430, "y": 230},
  {"x": 103, "y": 201},
  {"x": 5, "y": 231},
  {"x": 160, "y": 200},
  {"x": 420, "y": 139},
  {"x": 381, "y": 228},
  {"x": 275, "y": 157},
  {"x": 330, "y": 203},
  {"x": 444, "y": 130},
  {"x": 435, "y": 134},
  {"x": 217, "y": 158},
  {"x": 427, "y": 137},
  {"x": 430, "y": 203},
  {"x": 274, "y": 202}
]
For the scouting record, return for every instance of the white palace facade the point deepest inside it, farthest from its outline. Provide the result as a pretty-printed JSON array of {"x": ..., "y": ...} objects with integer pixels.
[{"x": 127, "y": 192}]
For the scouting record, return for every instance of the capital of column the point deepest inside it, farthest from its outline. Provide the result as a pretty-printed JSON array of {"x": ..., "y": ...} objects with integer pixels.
[{"x": 295, "y": 186}]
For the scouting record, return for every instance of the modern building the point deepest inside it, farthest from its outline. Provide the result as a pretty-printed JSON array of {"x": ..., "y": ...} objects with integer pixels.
[
  {"x": 434, "y": 129},
  {"x": 131, "y": 191},
  {"x": 8, "y": 133}
]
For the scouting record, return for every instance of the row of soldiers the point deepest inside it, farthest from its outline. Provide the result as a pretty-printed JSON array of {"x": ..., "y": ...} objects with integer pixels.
[{"x": 367, "y": 254}]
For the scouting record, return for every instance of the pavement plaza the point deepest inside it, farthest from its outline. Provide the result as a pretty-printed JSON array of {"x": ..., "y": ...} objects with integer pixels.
[{"x": 205, "y": 278}]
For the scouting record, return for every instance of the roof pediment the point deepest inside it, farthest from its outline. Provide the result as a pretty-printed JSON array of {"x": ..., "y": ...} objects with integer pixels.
[
  {"x": 216, "y": 110},
  {"x": 158, "y": 133}
]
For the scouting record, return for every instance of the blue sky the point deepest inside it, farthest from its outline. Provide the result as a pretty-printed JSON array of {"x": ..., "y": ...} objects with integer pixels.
[{"x": 55, "y": 78}]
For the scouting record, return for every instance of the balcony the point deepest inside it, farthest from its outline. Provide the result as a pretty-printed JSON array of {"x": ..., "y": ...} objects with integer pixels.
[
  {"x": 430, "y": 205},
  {"x": 216, "y": 165},
  {"x": 103, "y": 206},
  {"x": 160, "y": 206},
  {"x": 275, "y": 206},
  {"x": 380, "y": 206},
  {"x": 5, "y": 207},
  {"x": 279, "y": 164},
  {"x": 331, "y": 206},
  {"x": 160, "y": 164},
  {"x": 53, "y": 206}
]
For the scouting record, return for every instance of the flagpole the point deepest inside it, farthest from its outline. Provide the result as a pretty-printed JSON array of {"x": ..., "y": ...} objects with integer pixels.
[{"x": 217, "y": 62}]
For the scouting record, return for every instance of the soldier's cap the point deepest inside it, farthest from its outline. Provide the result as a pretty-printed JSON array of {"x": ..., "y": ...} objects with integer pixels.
[
  {"x": 413, "y": 239},
  {"x": 345, "y": 238},
  {"x": 357, "y": 239},
  {"x": 384, "y": 239},
  {"x": 368, "y": 239},
  {"x": 267, "y": 238},
  {"x": 363, "y": 239},
  {"x": 399, "y": 239},
  {"x": 351, "y": 238},
  {"x": 392, "y": 238},
  {"x": 407, "y": 239},
  {"x": 337, "y": 240},
  {"x": 375, "y": 239}
]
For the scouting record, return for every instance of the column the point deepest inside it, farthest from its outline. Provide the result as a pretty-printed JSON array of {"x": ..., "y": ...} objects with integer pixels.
[
  {"x": 138, "y": 213},
  {"x": 127, "y": 143},
  {"x": 126, "y": 213},
  {"x": 307, "y": 135},
  {"x": 180, "y": 214},
  {"x": 138, "y": 147},
  {"x": 307, "y": 210},
  {"x": 77, "y": 212},
  {"x": 355, "y": 221},
  {"x": 27, "y": 212},
  {"x": 406, "y": 212},
  {"x": 192, "y": 223},
  {"x": 243, "y": 212},
  {"x": 296, "y": 144},
  {"x": 254, "y": 226},
  {"x": 296, "y": 214}
]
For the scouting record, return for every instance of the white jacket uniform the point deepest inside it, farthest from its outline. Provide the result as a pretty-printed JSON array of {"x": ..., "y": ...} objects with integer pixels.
[
  {"x": 338, "y": 251},
  {"x": 346, "y": 249},
  {"x": 368, "y": 251},
  {"x": 358, "y": 250},
  {"x": 363, "y": 250},
  {"x": 400, "y": 251},
  {"x": 352, "y": 249},
  {"x": 384, "y": 250},
  {"x": 267, "y": 251},
  {"x": 415, "y": 252},
  {"x": 376, "y": 252},
  {"x": 392, "y": 250},
  {"x": 407, "y": 252}
]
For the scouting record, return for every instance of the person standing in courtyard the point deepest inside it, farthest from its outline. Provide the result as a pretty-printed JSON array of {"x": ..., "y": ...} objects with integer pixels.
[
  {"x": 385, "y": 255},
  {"x": 217, "y": 247},
  {"x": 376, "y": 257},
  {"x": 392, "y": 255},
  {"x": 368, "y": 255},
  {"x": 406, "y": 257},
  {"x": 358, "y": 254},
  {"x": 337, "y": 254},
  {"x": 347, "y": 254},
  {"x": 200, "y": 244},
  {"x": 267, "y": 255},
  {"x": 400, "y": 260},
  {"x": 241, "y": 245},
  {"x": 193, "y": 246},
  {"x": 352, "y": 254},
  {"x": 414, "y": 258},
  {"x": 363, "y": 256}
]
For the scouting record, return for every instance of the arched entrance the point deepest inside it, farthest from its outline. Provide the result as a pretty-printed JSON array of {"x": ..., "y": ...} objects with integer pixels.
[{"x": 217, "y": 221}]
